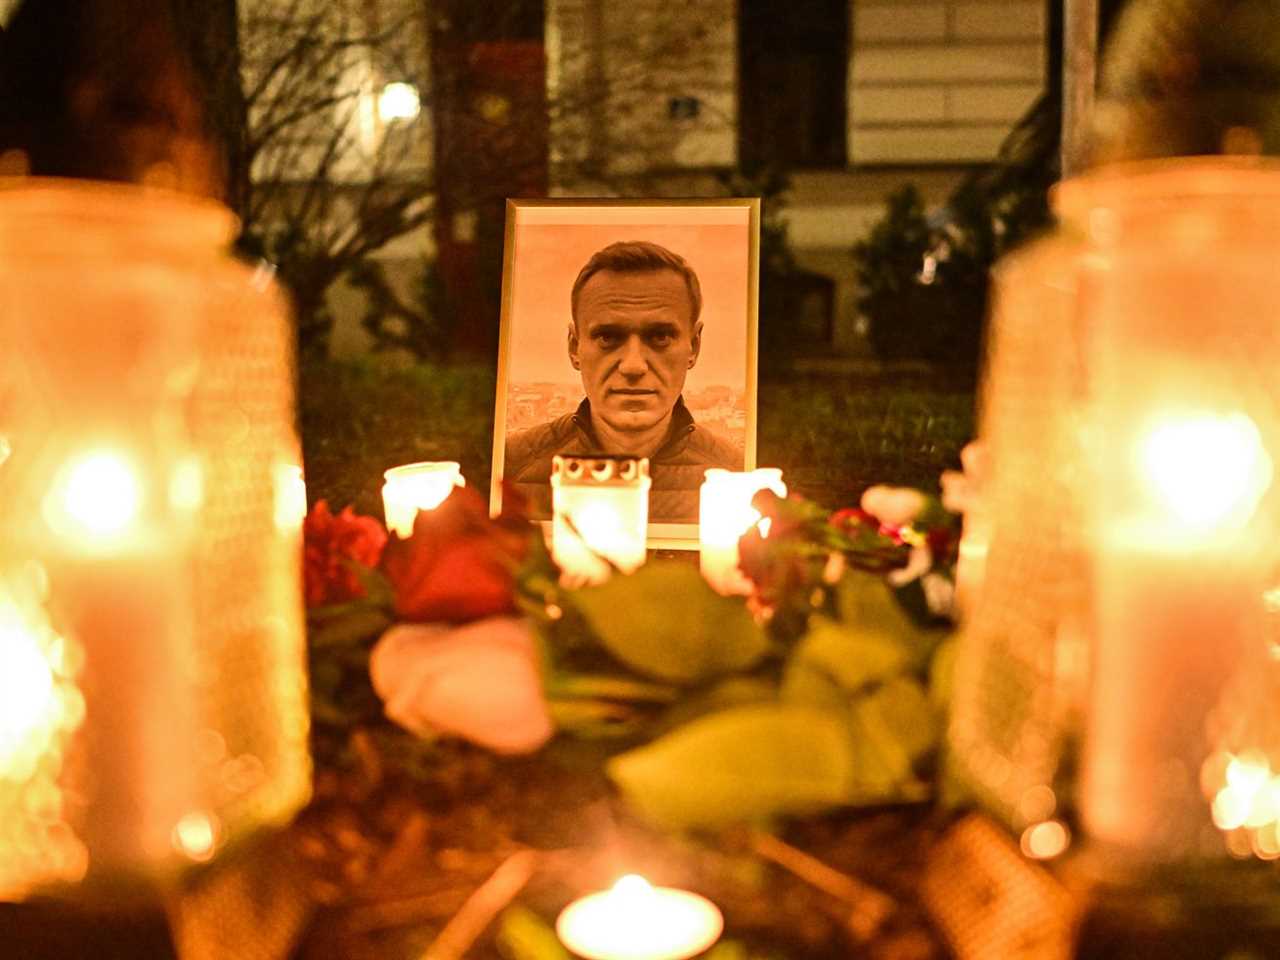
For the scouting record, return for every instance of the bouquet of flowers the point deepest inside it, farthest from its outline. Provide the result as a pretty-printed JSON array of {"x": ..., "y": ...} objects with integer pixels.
[{"x": 825, "y": 688}]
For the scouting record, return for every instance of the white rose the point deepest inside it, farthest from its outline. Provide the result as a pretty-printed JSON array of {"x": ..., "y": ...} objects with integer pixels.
[
  {"x": 478, "y": 681},
  {"x": 894, "y": 506}
]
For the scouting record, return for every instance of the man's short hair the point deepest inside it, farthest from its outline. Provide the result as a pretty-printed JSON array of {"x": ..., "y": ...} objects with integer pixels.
[{"x": 639, "y": 256}]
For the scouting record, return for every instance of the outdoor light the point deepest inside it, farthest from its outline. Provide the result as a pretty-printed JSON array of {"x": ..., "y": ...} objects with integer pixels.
[
  {"x": 600, "y": 515},
  {"x": 725, "y": 514},
  {"x": 399, "y": 101},
  {"x": 152, "y": 690}
]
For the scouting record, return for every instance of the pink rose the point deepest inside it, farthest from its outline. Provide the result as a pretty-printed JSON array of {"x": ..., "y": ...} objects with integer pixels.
[{"x": 478, "y": 681}]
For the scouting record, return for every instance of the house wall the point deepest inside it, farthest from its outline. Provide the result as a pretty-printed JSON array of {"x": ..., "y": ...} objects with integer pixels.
[
  {"x": 933, "y": 87},
  {"x": 941, "y": 81},
  {"x": 639, "y": 85},
  {"x": 642, "y": 99}
]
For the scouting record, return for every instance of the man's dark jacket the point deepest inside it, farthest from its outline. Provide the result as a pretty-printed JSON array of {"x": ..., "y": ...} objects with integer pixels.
[{"x": 676, "y": 469}]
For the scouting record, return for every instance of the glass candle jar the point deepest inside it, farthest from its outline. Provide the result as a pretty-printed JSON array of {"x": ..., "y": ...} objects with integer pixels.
[
  {"x": 600, "y": 515},
  {"x": 150, "y": 597},
  {"x": 1132, "y": 423}
]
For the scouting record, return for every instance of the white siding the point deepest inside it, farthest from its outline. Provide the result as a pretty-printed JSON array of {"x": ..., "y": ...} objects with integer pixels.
[{"x": 941, "y": 81}]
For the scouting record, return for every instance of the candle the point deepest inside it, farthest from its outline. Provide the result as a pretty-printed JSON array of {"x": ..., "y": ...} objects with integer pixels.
[
  {"x": 1180, "y": 617},
  {"x": 637, "y": 921},
  {"x": 120, "y": 520},
  {"x": 725, "y": 514},
  {"x": 414, "y": 487},
  {"x": 151, "y": 632},
  {"x": 600, "y": 516}
]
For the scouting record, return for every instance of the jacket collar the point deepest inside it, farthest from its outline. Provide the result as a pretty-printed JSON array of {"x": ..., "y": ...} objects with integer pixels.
[{"x": 682, "y": 425}]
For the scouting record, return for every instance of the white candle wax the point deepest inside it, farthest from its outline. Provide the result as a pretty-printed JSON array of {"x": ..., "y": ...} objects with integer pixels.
[
  {"x": 636, "y": 921},
  {"x": 414, "y": 487},
  {"x": 725, "y": 514}
]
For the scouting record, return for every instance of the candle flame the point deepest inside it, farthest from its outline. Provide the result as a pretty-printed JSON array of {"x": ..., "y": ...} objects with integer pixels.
[
  {"x": 726, "y": 512},
  {"x": 634, "y": 920},
  {"x": 1045, "y": 840},
  {"x": 98, "y": 496},
  {"x": 290, "y": 497},
  {"x": 1206, "y": 470},
  {"x": 40, "y": 708},
  {"x": 27, "y": 696},
  {"x": 633, "y": 887},
  {"x": 1245, "y": 802},
  {"x": 196, "y": 835},
  {"x": 599, "y": 526}
]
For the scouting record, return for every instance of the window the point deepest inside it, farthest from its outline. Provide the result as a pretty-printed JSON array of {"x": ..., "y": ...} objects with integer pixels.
[{"x": 793, "y": 60}]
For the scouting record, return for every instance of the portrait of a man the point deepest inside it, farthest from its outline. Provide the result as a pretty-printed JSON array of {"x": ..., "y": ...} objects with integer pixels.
[
  {"x": 634, "y": 334},
  {"x": 628, "y": 330}
]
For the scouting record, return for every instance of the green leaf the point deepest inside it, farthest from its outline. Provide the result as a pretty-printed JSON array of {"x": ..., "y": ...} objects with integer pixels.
[
  {"x": 729, "y": 692},
  {"x": 743, "y": 764},
  {"x": 728, "y": 950},
  {"x": 942, "y": 675},
  {"x": 665, "y": 622},
  {"x": 355, "y": 627},
  {"x": 866, "y": 604},
  {"x": 523, "y": 935},
  {"x": 609, "y": 688},
  {"x": 595, "y": 719},
  {"x": 377, "y": 588},
  {"x": 892, "y": 728},
  {"x": 835, "y": 660}
]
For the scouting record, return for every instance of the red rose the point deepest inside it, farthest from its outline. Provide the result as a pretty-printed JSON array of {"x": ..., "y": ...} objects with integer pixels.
[
  {"x": 459, "y": 564},
  {"x": 330, "y": 545},
  {"x": 850, "y": 517}
]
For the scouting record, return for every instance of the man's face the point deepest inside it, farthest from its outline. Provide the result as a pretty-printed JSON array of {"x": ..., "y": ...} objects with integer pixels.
[{"x": 634, "y": 342}]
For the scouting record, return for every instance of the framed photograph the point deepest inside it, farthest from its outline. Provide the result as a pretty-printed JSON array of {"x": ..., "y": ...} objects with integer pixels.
[{"x": 628, "y": 329}]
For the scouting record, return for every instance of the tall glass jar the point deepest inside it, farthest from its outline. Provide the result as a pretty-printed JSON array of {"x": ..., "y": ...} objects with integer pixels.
[
  {"x": 1132, "y": 582},
  {"x": 152, "y": 659}
]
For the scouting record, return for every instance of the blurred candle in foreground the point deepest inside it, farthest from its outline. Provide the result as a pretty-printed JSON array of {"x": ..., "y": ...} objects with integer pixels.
[
  {"x": 636, "y": 921},
  {"x": 414, "y": 487},
  {"x": 725, "y": 514},
  {"x": 600, "y": 509},
  {"x": 151, "y": 638}
]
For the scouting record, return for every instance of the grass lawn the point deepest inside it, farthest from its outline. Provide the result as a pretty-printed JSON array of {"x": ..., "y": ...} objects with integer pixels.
[{"x": 832, "y": 436}]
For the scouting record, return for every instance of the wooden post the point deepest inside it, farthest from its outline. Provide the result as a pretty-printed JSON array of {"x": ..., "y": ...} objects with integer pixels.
[{"x": 1079, "y": 78}]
